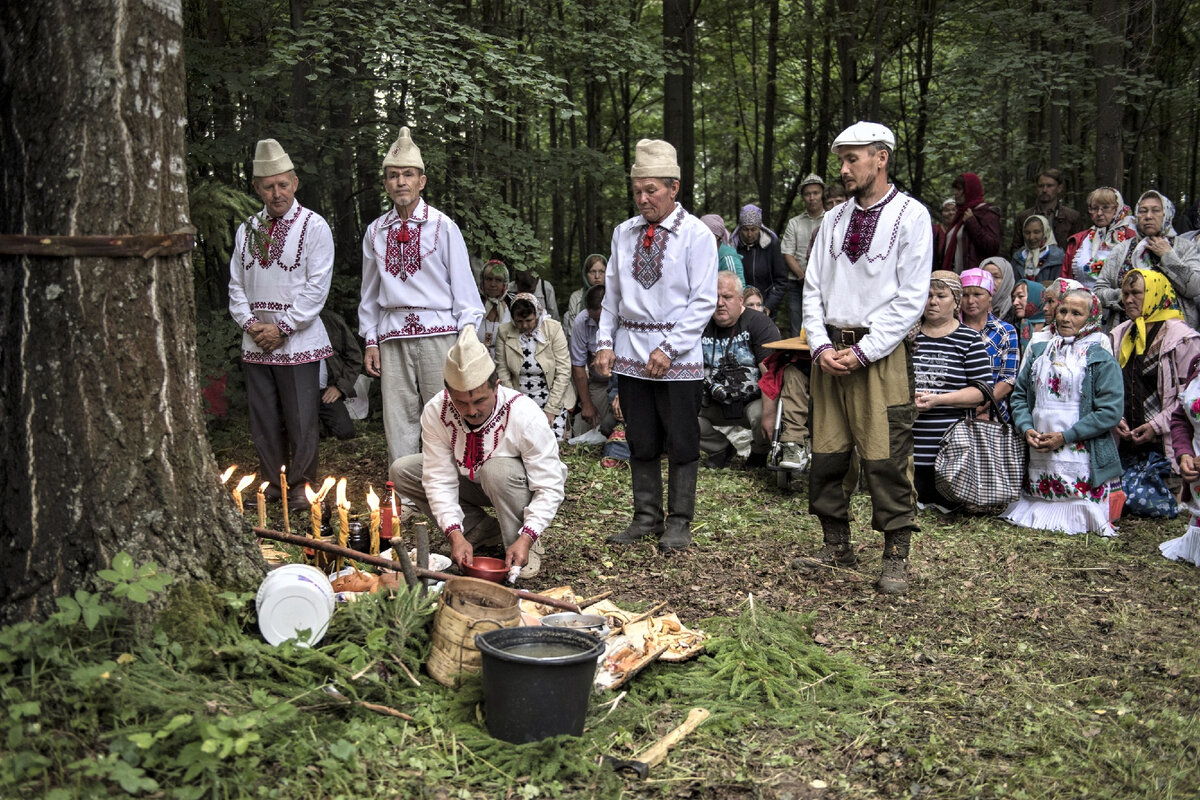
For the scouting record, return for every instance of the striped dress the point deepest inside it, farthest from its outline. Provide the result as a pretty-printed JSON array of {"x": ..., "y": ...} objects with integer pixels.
[{"x": 945, "y": 364}]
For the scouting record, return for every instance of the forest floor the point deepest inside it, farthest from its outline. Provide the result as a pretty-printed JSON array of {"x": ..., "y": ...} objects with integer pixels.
[{"x": 1020, "y": 663}]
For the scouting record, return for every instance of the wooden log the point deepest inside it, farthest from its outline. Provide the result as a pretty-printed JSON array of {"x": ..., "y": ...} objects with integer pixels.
[{"x": 376, "y": 561}]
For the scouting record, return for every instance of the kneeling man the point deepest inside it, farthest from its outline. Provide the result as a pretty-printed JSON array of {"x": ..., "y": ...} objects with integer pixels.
[{"x": 484, "y": 445}]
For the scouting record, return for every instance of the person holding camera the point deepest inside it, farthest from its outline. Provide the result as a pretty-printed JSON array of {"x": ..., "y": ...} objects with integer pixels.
[{"x": 733, "y": 350}]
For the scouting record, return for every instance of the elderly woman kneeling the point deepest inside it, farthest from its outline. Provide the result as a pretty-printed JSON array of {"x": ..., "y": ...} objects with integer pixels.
[{"x": 1067, "y": 400}]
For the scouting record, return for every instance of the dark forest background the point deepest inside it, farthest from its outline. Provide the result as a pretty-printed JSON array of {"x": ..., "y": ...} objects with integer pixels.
[{"x": 527, "y": 111}]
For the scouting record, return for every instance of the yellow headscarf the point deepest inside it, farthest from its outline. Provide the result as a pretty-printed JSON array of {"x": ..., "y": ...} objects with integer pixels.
[{"x": 1160, "y": 304}]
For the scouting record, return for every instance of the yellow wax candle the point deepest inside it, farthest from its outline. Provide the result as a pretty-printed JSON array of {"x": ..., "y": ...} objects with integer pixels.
[
  {"x": 237, "y": 492},
  {"x": 261, "y": 497},
  {"x": 373, "y": 504},
  {"x": 283, "y": 495},
  {"x": 314, "y": 507},
  {"x": 343, "y": 507}
]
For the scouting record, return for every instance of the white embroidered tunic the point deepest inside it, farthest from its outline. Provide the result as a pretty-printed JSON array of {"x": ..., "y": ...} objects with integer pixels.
[
  {"x": 417, "y": 278},
  {"x": 869, "y": 268},
  {"x": 660, "y": 292},
  {"x": 280, "y": 274},
  {"x": 517, "y": 428}
]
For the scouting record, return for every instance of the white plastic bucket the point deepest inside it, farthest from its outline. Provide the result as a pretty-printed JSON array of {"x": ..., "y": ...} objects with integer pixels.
[{"x": 293, "y": 598}]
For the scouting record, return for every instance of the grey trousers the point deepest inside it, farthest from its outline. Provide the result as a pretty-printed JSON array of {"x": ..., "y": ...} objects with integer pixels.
[
  {"x": 502, "y": 485},
  {"x": 410, "y": 374},
  {"x": 284, "y": 403},
  {"x": 713, "y": 441}
]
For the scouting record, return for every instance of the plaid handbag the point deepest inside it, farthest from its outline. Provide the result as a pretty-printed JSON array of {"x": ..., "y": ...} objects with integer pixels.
[{"x": 981, "y": 463}]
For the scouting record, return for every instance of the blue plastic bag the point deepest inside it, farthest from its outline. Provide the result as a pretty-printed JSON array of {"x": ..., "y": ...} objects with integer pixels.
[{"x": 1145, "y": 486}]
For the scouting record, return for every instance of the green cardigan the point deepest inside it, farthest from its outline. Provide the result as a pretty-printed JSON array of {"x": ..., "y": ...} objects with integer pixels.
[{"x": 1101, "y": 405}]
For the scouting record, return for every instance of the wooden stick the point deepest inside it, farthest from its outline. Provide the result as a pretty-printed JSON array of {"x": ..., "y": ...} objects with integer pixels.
[
  {"x": 591, "y": 601},
  {"x": 645, "y": 615},
  {"x": 346, "y": 552}
]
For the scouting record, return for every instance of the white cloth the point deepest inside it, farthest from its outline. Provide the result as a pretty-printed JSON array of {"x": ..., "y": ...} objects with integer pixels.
[
  {"x": 796, "y": 238},
  {"x": 517, "y": 428},
  {"x": 1187, "y": 547},
  {"x": 422, "y": 287},
  {"x": 283, "y": 281},
  {"x": 884, "y": 290},
  {"x": 1059, "y": 495},
  {"x": 669, "y": 306}
]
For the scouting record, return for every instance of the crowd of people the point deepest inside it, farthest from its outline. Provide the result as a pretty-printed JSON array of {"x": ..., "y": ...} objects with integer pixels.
[{"x": 898, "y": 327}]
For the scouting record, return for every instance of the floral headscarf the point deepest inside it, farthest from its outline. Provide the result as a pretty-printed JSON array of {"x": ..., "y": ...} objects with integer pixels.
[
  {"x": 1091, "y": 325},
  {"x": 1160, "y": 304},
  {"x": 1061, "y": 287},
  {"x": 1139, "y": 255},
  {"x": 539, "y": 312},
  {"x": 947, "y": 279}
]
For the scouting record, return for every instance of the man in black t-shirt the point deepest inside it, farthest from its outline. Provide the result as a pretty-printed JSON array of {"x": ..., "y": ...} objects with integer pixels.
[{"x": 733, "y": 350}]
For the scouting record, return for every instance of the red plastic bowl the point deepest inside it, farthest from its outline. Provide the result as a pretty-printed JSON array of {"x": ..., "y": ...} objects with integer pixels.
[{"x": 488, "y": 568}]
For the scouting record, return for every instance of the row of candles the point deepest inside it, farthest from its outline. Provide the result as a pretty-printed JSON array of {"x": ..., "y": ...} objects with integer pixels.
[{"x": 316, "y": 500}]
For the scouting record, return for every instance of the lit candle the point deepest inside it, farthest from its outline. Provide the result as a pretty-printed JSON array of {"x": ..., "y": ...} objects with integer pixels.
[
  {"x": 314, "y": 507},
  {"x": 237, "y": 492},
  {"x": 373, "y": 504},
  {"x": 283, "y": 495},
  {"x": 262, "y": 503},
  {"x": 225, "y": 476},
  {"x": 343, "y": 507}
]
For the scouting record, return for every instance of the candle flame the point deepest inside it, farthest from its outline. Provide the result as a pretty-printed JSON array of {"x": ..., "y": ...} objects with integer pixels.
[
  {"x": 244, "y": 482},
  {"x": 227, "y": 473},
  {"x": 326, "y": 487},
  {"x": 262, "y": 487},
  {"x": 372, "y": 499},
  {"x": 342, "y": 502},
  {"x": 313, "y": 497}
]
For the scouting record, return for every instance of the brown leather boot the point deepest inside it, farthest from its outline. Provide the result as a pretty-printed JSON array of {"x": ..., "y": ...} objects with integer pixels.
[
  {"x": 836, "y": 552},
  {"x": 894, "y": 577}
]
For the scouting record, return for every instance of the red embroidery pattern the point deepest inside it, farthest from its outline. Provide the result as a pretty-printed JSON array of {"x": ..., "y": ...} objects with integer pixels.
[
  {"x": 413, "y": 327},
  {"x": 403, "y": 252},
  {"x": 488, "y": 434},
  {"x": 637, "y": 369},
  {"x": 284, "y": 359},
  {"x": 648, "y": 259},
  {"x": 860, "y": 233},
  {"x": 644, "y": 327},
  {"x": 530, "y": 532},
  {"x": 256, "y": 234},
  {"x": 264, "y": 305}
]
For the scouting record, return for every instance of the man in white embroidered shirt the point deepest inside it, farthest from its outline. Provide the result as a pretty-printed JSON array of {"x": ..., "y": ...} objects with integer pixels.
[
  {"x": 484, "y": 445},
  {"x": 660, "y": 292},
  {"x": 418, "y": 292},
  {"x": 278, "y": 280},
  {"x": 865, "y": 288}
]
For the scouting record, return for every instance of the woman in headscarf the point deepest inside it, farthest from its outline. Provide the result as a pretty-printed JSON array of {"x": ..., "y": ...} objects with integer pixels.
[
  {"x": 1002, "y": 272},
  {"x": 1155, "y": 348},
  {"x": 1028, "y": 311},
  {"x": 1112, "y": 223},
  {"x": 999, "y": 337},
  {"x": 1041, "y": 259},
  {"x": 949, "y": 361},
  {"x": 1155, "y": 248},
  {"x": 1068, "y": 399},
  {"x": 1185, "y": 442},
  {"x": 493, "y": 291},
  {"x": 532, "y": 357},
  {"x": 593, "y": 275},
  {"x": 728, "y": 259},
  {"x": 974, "y": 233}
]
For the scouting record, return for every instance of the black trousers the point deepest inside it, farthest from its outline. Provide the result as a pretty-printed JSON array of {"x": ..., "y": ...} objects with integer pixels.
[
  {"x": 335, "y": 417},
  {"x": 661, "y": 417},
  {"x": 284, "y": 403}
]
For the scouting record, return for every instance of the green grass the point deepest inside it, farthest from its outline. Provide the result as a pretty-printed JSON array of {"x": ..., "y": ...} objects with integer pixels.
[{"x": 1021, "y": 665}]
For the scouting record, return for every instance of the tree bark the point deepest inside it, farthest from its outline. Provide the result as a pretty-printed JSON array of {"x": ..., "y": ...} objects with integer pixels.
[
  {"x": 679, "y": 36},
  {"x": 105, "y": 447},
  {"x": 767, "y": 180},
  {"x": 1109, "y": 165}
]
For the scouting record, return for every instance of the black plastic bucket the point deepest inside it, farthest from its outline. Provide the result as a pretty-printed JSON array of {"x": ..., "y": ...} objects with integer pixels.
[{"x": 537, "y": 681}]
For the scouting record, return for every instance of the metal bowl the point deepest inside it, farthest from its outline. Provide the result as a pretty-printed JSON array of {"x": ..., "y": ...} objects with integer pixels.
[
  {"x": 589, "y": 623},
  {"x": 487, "y": 568}
]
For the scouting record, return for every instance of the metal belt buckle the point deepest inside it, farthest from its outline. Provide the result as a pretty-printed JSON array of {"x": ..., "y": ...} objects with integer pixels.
[{"x": 848, "y": 337}]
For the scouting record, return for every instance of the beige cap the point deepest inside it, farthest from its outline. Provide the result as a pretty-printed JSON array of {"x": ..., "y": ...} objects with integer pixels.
[
  {"x": 654, "y": 159},
  {"x": 468, "y": 365},
  {"x": 811, "y": 179},
  {"x": 403, "y": 153},
  {"x": 270, "y": 159},
  {"x": 864, "y": 133}
]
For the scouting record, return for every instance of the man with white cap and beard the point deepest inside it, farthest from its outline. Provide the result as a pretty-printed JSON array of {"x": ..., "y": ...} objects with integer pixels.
[
  {"x": 865, "y": 288},
  {"x": 278, "y": 279},
  {"x": 418, "y": 293},
  {"x": 660, "y": 292},
  {"x": 484, "y": 445}
]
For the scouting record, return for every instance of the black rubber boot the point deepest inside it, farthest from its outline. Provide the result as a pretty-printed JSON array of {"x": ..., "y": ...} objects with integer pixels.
[
  {"x": 647, "y": 503},
  {"x": 681, "y": 506},
  {"x": 894, "y": 577},
  {"x": 836, "y": 552}
]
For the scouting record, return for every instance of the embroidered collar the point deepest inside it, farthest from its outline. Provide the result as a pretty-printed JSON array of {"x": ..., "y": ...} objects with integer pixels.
[
  {"x": 670, "y": 222},
  {"x": 419, "y": 216},
  {"x": 878, "y": 204},
  {"x": 264, "y": 219}
]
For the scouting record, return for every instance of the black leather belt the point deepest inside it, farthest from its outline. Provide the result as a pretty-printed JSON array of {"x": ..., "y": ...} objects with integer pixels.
[{"x": 846, "y": 336}]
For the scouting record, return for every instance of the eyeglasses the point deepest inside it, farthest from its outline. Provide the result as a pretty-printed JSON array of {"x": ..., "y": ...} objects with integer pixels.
[{"x": 1094, "y": 209}]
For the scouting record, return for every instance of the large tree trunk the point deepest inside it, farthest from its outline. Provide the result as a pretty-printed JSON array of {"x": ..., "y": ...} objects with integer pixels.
[
  {"x": 1109, "y": 164},
  {"x": 105, "y": 447},
  {"x": 766, "y": 180},
  {"x": 679, "y": 36}
]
